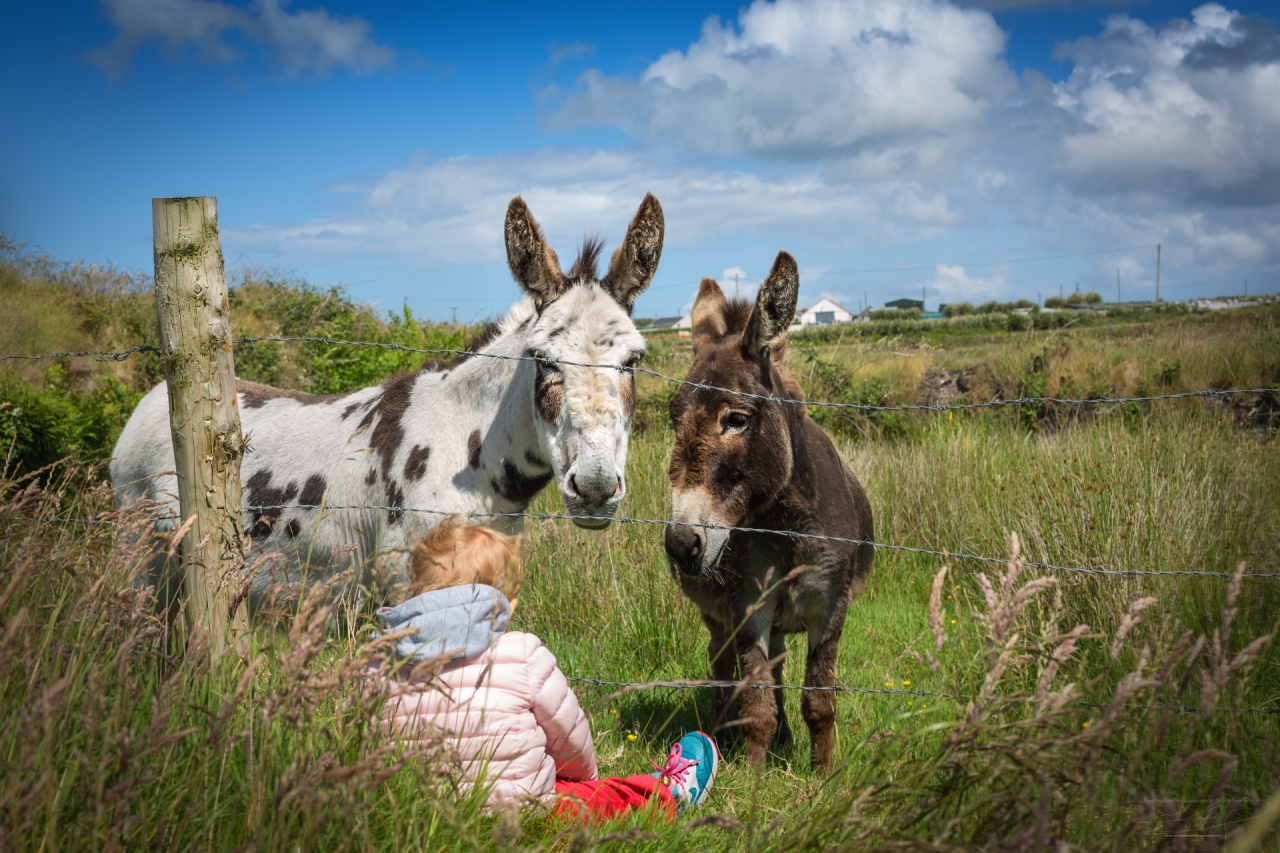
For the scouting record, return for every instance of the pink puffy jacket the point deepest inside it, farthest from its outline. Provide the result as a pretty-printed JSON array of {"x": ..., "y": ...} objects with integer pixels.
[{"x": 509, "y": 706}]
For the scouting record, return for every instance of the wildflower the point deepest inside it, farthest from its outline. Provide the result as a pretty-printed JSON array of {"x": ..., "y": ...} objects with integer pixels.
[
  {"x": 1084, "y": 725},
  {"x": 888, "y": 684},
  {"x": 613, "y": 710},
  {"x": 909, "y": 702},
  {"x": 632, "y": 737},
  {"x": 906, "y": 684},
  {"x": 953, "y": 621}
]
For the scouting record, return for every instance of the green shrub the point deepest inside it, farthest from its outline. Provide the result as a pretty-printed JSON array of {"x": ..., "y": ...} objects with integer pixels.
[
  {"x": 40, "y": 427},
  {"x": 897, "y": 314}
]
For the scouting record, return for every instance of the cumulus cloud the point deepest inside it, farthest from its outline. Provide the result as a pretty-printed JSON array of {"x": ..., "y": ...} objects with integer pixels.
[
  {"x": 908, "y": 205},
  {"x": 295, "y": 42},
  {"x": 1189, "y": 112},
  {"x": 953, "y": 284},
  {"x": 890, "y": 86},
  {"x": 450, "y": 211}
]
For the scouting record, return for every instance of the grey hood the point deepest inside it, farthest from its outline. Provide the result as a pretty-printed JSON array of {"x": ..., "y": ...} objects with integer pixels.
[{"x": 457, "y": 622}]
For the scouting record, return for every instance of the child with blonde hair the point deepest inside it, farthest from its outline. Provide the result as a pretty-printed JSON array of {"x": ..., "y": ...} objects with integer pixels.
[{"x": 500, "y": 695}]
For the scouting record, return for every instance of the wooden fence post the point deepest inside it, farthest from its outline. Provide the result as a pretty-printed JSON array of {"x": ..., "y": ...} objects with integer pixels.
[{"x": 195, "y": 337}]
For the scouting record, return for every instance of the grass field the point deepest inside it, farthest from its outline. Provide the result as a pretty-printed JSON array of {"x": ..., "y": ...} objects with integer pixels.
[{"x": 117, "y": 736}]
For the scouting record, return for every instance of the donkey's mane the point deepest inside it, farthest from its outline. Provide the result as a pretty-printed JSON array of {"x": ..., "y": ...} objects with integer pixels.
[{"x": 586, "y": 265}]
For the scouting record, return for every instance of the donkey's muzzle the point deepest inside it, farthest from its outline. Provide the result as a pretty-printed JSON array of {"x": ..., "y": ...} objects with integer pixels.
[{"x": 685, "y": 545}]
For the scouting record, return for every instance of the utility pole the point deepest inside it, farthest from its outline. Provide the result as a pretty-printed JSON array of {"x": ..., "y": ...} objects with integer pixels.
[
  {"x": 866, "y": 300},
  {"x": 1246, "y": 288},
  {"x": 735, "y": 285},
  {"x": 1157, "y": 272},
  {"x": 1117, "y": 285},
  {"x": 455, "y": 315}
]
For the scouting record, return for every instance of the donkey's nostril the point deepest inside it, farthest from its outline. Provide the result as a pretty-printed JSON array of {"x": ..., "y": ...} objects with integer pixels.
[
  {"x": 573, "y": 484},
  {"x": 618, "y": 489}
]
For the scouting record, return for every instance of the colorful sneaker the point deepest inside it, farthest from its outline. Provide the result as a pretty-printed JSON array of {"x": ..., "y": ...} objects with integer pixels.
[{"x": 689, "y": 770}]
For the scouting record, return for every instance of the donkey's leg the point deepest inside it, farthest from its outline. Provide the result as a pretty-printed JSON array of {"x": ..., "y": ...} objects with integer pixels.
[
  {"x": 759, "y": 707},
  {"x": 818, "y": 707},
  {"x": 777, "y": 647},
  {"x": 724, "y": 660}
]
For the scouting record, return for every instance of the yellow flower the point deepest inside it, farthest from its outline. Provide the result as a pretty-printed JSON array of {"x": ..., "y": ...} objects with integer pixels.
[
  {"x": 888, "y": 684},
  {"x": 906, "y": 684},
  {"x": 908, "y": 701},
  {"x": 953, "y": 621},
  {"x": 947, "y": 597},
  {"x": 613, "y": 710},
  {"x": 632, "y": 737},
  {"x": 957, "y": 586},
  {"x": 1084, "y": 725}
]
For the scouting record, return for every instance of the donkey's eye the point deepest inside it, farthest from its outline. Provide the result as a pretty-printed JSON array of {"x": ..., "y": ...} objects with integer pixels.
[
  {"x": 734, "y": 420},
  {"x": 546, "y": 362}
]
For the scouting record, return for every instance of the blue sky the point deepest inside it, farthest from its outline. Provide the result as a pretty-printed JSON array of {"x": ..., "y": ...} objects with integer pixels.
[{"x": 891, "y": 145}]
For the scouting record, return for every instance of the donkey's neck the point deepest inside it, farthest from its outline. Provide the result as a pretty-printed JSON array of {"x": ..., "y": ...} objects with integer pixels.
[{"x": 492, "y": 391}]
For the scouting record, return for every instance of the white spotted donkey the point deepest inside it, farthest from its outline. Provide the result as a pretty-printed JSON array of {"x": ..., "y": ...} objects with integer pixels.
[{"x": 480, "y": 435}]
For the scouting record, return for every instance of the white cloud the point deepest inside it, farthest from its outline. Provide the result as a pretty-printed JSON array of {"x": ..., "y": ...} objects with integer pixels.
[
  {"x": 296, "y": 42},
  {"x": 953, "y": 284},
  {"x": 909, "y": 206},
  {"x": 890, "y": 86},
  {"x": 1188, "y": 112},
  {"x": 450, "y": 211}
]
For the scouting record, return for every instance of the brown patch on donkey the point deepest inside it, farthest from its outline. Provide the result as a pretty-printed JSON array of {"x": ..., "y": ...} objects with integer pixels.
[{"x": 751, "y": 462}]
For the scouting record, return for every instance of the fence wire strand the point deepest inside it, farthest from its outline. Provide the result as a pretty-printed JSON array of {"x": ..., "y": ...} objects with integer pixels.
[
  {"x": 790, "y": 534},
  {"x": 861, "y": 407},
  {"x": 694, "y": 684}
]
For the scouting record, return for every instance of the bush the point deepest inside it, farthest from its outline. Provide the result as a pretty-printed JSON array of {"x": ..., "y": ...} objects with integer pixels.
[
  {"x": 40, "y": 427},
  {"x": 1089, "y": 298},
  {"x": 896, "y": 314},
  {"x": 1055, "y": 302},
  {"x": 956, "y": 309}
]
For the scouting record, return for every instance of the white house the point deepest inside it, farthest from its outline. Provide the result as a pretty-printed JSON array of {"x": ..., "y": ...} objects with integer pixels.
[{"x": 824, "y": 312}]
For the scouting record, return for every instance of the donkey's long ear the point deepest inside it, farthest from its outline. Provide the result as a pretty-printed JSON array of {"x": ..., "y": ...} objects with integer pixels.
[
  {"x": 709, "y": 309},
  {"x": 636, "y": 260},
  {"x": 533, "y": 263},
  {"x": 774, "y": 309}
]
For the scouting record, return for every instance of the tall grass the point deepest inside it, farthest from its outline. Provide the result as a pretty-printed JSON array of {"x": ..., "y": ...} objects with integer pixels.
[{"x": 122, "y": 736}]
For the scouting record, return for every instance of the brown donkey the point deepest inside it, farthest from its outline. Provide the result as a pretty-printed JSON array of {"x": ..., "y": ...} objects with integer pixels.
[{"x": 751, "y": 462}]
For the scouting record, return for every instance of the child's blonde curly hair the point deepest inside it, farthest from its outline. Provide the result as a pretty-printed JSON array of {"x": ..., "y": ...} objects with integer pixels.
[{"x": 456, "y": 553}]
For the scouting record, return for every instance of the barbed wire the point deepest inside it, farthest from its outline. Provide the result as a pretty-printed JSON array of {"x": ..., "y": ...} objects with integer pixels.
[
  {"x": 939, "y": 407},
  {"x": 791, "y": 534},
  {"x": 694, "y": 684},
  {"x": 106, "y": 355},
  {"x": 862, "y": 407}
]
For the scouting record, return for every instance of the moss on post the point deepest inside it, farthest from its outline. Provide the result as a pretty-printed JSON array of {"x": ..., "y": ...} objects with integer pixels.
[{"x": 195, "y": 337}]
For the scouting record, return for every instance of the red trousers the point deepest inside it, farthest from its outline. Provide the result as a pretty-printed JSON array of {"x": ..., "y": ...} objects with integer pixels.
[{"x": 606, "y": 798}]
